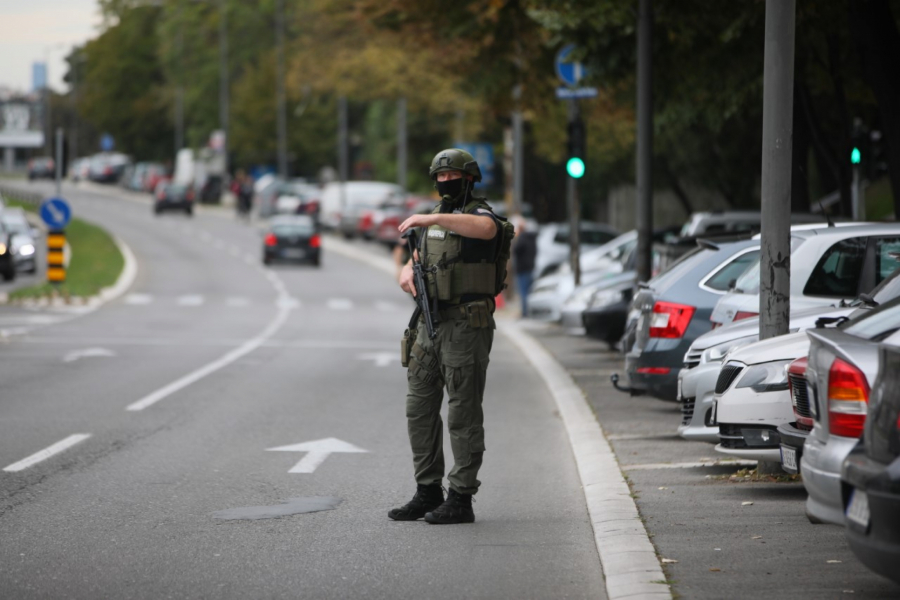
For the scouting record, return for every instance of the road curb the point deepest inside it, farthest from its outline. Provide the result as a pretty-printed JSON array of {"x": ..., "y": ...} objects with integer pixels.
[
  {"x": 126, "y": 277},
  {"x": 627, "y": 556}
]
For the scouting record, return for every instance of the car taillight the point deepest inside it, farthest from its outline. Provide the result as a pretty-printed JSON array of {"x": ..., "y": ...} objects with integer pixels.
[
  {"x": 271, "y": 240},
  {"x": 848, "y": 398},
  {"x": 365, "y": 222},
  {"x": 743, "y": 314},
  {"x": 670, "y": 320},
  {"x": 315, "y": 241},
  {"x": 654, "y": 370}
]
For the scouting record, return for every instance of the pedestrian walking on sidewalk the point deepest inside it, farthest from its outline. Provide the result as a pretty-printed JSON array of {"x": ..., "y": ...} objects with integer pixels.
[
  {"x": 524, "y": 253},
  {"x": 464, "y": 248}
]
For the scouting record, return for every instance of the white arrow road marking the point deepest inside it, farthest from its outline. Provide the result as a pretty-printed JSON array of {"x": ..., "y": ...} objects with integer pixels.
[
  {"x": 88, "y": 353},
  {"x": 340, "y": 304},
  {"x": 382, "y": 359},
  {"x": 190, "y": 300},
  {"x": 317, "y": 451},
  {"x": 47, "y": 452},
  {"x": 138, "y": 299}
]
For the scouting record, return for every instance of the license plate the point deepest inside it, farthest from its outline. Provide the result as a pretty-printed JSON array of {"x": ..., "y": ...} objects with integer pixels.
[
  {"x": 789, "y": 459},
  {"x": 858, "y": 509},
  {"x": 293, "y": 253},
  {"x": 712, "y": 414}
]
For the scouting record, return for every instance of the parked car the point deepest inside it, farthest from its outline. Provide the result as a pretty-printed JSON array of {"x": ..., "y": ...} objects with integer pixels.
[
  {"x": 292, "y": 238},
  {"x": 41, "y": 167},
  {"x": 828, "y": 264},
  {"x": 550, "y": 291},
  {"x": 672, "y": 310},
  {"x": 793, "y": 435},
  {"x": 553, "y": 245},
  {"x": 386, "y": 231},
  {"x": 841, "y": 368},
  {"x": 108, "y": 167},
  {"x": 703, "y": 360},
  {"x": 80, "y": 169},
  {"x": 870, "y": 476},
  {"x": 173, "y": 196},
  {"x": 752, "y": 397},
  {"x": 7, "y": 257},
  {"x": 343, "y": 203},
  {"x": 22, "y": 238}
]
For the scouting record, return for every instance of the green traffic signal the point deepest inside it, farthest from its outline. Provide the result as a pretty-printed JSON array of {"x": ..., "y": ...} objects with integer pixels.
[
  {"x": 855, "y": 156},
  {"x": 575, "y": 167}
]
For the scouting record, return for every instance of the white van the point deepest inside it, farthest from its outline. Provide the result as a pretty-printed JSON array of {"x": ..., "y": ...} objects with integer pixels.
[{"x": 347, "y": 199}]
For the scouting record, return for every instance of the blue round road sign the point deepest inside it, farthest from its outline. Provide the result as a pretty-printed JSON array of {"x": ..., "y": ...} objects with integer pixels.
[
  {"x": 56, "y": 213},
  {"x": 569, "y": 72}
]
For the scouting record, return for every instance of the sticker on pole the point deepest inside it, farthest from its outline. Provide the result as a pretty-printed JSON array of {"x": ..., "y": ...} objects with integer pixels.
[{"x": 56, "y": 213}]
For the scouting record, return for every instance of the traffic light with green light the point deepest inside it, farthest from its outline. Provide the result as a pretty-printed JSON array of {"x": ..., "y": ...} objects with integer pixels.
[
  {"x": 855, "y": 156},
  {"x": 575, "y": 149}
]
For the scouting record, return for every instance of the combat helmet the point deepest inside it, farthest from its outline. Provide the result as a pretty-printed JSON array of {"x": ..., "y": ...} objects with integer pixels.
[{"x": 454, "y": 159}]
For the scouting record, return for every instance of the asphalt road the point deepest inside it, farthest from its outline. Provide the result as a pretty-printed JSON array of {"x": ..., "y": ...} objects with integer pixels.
[
  {"x": 697, "y": 518},
  {"x": 177, "y": 391}
]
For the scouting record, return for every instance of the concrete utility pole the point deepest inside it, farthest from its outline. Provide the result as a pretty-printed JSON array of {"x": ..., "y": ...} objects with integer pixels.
[
  {"x": 778, "y": 98},
  {"x": 343, "y": 151},
  {"x": 224, "y": 84},
  {"x": 401, "y": 143},
  {"x": 279, "y": 92},
  {"x": 518, "y": 153},
  {"x": 645, "y": 142},
  {"x": 574, "y": 206}
]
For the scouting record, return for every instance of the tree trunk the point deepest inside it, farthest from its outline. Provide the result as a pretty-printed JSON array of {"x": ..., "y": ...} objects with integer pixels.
[{"x": 874, "y": 30}]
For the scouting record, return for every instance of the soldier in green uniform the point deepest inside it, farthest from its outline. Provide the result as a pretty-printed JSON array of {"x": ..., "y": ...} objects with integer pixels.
[{"x": 461, "y": 238}]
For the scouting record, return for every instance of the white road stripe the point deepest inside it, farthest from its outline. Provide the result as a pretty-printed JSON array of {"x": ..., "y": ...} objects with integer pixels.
[
  {"x": 689, "y": 465},
  {"x": 31, "y": 320},
  {"x": 244, "y": 349},
  {"x": 237, "y": 302},
  {"x": 340, "y": 304},
  {"x": 190, "y": 300},
  {"x": 138, "y": 299},
  {"x": 47, "y": 452},
  {"x": 387, "y": 306}
]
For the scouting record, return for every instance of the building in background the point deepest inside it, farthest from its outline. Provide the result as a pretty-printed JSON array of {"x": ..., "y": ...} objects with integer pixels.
[
  {"x": 21, "y": 126},
  {"x": 38, "y": 76}
]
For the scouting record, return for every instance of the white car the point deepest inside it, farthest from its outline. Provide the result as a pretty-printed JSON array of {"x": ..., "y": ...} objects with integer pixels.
[
  {"x": 828, "y": 264},
  {"x": 752, "y": 397},
  {"x": 553, "y": 243},
  {"x": 703, "y": 360},
  {"x": 548, "y": 293}
]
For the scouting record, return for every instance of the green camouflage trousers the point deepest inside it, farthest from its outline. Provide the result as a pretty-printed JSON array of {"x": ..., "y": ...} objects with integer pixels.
[{"x": 457, "y": 359}]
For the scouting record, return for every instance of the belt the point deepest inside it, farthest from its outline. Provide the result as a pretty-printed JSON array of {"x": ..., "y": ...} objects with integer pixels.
[{"x": 461, "y": 311}]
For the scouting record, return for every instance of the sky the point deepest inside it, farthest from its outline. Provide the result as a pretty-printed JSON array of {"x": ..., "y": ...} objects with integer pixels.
[{"x": 37, "y": 30}]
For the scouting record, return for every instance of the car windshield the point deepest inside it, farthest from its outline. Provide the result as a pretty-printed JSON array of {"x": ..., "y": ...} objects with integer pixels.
[
  {"x": 679, "y": 268},
  {"x": 876, "y": 324},
  {"x": 15, "y": 224},
  {"x": 722, "y": 278},
  {"x": 290, "y": 229}
]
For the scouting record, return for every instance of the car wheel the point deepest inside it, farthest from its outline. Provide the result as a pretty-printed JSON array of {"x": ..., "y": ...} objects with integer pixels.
[
  {"x": 9, "y": 274},
  {"x": 190, "y": 212},
  {"x": 317, "y": 262}
]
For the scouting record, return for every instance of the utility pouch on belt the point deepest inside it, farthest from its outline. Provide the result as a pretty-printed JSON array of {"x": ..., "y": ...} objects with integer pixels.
[
  {"x": 406, "y": 345},
  {"x": 478, "y": 315}
]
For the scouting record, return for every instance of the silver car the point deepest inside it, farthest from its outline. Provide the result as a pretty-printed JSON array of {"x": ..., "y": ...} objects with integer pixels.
[
  {"x": 22, "y": 238},
  {"x": 842, "y": 365}
]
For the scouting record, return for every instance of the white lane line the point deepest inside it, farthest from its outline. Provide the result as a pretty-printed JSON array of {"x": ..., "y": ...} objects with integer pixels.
[
  {"x": 627, "y": 557},
  {"x": 47, "y": 452},
  {"x": 190, "y": 300},
  {"x": 237, "y": 302},
  {"x": 88, "y": 353},
  {"x": 138, "y": 299},
  {"x": 689, "y": 465},
  {"x": 244, "y": 349},
  {"x": 287, "y": 302},
  {"x": 387, "y": 306},
  {"x": 31, "y": 320},
  {"x": 340, "y": 304}
]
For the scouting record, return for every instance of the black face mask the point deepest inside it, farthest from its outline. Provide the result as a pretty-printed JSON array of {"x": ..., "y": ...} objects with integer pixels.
[{"x": 452, "y": 188}]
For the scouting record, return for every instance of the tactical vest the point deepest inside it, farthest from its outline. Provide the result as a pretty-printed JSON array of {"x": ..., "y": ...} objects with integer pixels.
[{"x": 453, "y": 278}]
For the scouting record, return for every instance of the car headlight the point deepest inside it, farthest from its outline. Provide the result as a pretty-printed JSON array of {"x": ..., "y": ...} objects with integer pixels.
[
  {"x": 767, "y": 377},
  {"x": 717, "y": 353},
  {"x": 2, "y": 248},
  {"x": 605, "y": 298},
  {"x": 26, "y": 249}
]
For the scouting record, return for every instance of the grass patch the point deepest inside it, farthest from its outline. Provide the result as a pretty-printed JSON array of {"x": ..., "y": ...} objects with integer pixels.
[{"x": 96, "y": 262}]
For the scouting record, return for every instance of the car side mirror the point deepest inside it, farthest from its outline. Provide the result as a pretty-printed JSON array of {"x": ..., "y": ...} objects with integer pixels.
[{"x": 732, "y": 284}]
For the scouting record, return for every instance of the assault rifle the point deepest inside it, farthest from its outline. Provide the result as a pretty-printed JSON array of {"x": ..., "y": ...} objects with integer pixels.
[{"x": 426, "y": 308}]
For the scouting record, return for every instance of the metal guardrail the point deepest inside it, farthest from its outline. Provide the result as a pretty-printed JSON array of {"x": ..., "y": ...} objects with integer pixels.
[{"x": 21, "y": 195}]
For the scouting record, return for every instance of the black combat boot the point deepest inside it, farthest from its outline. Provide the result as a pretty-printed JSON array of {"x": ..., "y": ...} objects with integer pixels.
[
  {"x": 427, "y": 498},
  {"x": 457, "y": 508}
]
